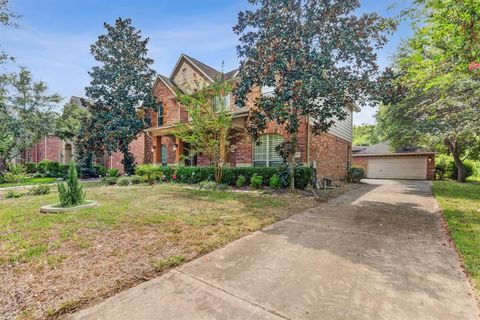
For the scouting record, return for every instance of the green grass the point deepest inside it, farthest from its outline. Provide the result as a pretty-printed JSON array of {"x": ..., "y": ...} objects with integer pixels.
[
  {"x": 28, "y": 181},
  {"x": 461, "y": 206},
  {"x": 135, "y": 232}
]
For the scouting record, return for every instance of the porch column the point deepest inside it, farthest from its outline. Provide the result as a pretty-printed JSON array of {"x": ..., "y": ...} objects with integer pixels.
[
  {"x": 157, "y": 157},
  {"x": 179, "y": 150}
]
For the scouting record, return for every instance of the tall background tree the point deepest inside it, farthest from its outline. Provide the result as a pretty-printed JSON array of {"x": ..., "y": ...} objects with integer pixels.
[
  {"x": 430, "y": 95},
  {"x": 25, "y": 114},
  {"x": 120, "y": 84},
  {"x": 319, "y": 56}
]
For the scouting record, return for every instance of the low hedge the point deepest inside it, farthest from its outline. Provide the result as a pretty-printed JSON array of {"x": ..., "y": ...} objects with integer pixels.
[{"x": 193, "y": 175}]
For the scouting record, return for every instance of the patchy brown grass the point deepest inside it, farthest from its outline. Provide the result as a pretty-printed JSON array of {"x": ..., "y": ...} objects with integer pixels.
[{"x": 53, "y": 264}]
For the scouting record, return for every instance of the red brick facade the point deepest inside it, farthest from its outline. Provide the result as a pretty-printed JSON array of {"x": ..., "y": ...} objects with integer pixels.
[
  {"x": 49, "y": 148},
  {"x": 331, "y": 154}
]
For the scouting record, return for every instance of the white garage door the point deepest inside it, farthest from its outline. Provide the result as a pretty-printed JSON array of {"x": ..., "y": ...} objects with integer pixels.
[{"x": 397, "y": 168}]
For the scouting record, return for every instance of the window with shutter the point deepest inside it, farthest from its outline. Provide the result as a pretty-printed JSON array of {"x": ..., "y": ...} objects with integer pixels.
[{"x": 264, "y": 153}]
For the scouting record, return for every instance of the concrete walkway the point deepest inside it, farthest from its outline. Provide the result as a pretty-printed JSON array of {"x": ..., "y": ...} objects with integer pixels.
[{"x": 378, "y": 252}]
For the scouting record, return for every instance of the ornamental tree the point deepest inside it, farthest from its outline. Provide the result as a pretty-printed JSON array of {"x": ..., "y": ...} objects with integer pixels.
[
  {"x": 25, "y": 114},
  {"x": 120, "y": 84},
  {"x": 210, "y": 127},
  {"x": 318, "y": 55}
]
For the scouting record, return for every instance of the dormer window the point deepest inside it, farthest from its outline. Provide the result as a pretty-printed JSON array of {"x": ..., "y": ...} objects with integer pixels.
[{"x": 160, "y": 114}]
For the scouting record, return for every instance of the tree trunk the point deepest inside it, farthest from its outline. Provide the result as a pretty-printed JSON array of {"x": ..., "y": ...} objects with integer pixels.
[
  {"x": 3, "y": 164},
  {"x": 454, "y": 150}
]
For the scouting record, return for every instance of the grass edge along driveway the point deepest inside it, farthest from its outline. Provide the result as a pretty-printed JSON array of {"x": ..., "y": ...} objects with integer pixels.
[{"x": 460, "y": 203}]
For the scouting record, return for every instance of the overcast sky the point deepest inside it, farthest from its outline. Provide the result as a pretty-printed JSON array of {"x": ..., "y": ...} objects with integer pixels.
[{"x": 55, "y": 38}]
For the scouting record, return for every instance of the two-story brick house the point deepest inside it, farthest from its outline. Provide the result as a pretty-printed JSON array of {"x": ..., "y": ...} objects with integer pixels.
[{"x": 331, "y": 151}]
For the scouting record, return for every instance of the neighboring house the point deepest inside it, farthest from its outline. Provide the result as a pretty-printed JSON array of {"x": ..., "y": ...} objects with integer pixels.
[
  {"x": 329, "y": 152},
  {"x": 54, "y": 149},
  {"x": 381, "y": 162}
]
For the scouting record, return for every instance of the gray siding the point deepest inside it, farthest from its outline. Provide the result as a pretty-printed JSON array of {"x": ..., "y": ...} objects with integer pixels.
[{"x": 343, "y": 129}]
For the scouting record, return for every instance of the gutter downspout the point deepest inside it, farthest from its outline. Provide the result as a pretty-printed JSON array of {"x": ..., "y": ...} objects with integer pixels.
[{"x": 308, "y": 140}]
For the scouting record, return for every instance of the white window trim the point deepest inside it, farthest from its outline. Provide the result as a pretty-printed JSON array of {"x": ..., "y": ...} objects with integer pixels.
[{"x": 267, "y": 142}]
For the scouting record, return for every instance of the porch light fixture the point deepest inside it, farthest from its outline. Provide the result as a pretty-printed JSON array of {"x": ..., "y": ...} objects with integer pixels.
[{"x": 175, "y": 146}]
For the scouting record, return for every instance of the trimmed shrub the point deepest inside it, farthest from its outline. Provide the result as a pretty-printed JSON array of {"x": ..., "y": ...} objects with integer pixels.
[
  {"x": 13, "y": 194},
  {"x": 256, "y": 181},
  {"x": 40, "y": 189},
  {"x": 136, "y": 179},
  {"x": 149, "y": 172},
  {"x": 167, "y": 174},
  {"x": 124, "y": 181},
  {"x": 303, "y": 176},
  {"x": 42, "y": 166},
  {"x": 355, "y": 174},
  {"x": 112, "y": 172},
  {"x": 31, "y": 167},
  {"x": 274, "y": 182},
  {"x": 100, "y": 170},
  {"x": 111, "y": 180},
  {"x": 240, "y": 181}
]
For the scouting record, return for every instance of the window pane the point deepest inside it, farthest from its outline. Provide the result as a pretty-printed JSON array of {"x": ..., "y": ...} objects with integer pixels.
[
  {"x": 260, "y": 149},
  {"x": 258, "y": 164},
  {"x": 267, "y": 91},
  {"x": 164, "y": 154},
  {"x": 160, "y": 114},
  {"x": 273, "y": 142},
  {"x": 221, "y": 103}
]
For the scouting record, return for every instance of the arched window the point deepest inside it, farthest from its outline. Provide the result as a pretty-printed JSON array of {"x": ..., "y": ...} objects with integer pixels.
[{"x": 264, "y": 154}]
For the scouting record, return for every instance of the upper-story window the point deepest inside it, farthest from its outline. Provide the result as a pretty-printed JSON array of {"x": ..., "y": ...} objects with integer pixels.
[
  {"x": 264, "y": 151},
  {"x": 222, "y": 103},
  {"x": 267, "y": 91},
  {"x": 160, "y": 114}
]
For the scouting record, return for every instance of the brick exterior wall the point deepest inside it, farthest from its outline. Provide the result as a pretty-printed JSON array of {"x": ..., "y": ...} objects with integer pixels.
[
  {"x": 49, "y": 148},
  {"x": 331, "y": 155},
  {"x": 362, "y": 161}
]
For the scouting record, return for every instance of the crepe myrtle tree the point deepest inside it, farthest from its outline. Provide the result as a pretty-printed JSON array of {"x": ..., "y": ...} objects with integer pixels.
[
  {"x": 120, "y": 84},
  {"x": 318, "y": 56}
]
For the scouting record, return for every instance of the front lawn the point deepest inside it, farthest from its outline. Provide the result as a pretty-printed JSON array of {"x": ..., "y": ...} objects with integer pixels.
[
  {"x": 56, "y": 263},
  {"x": 461, "y": 206},
  {"x": 28, "y": 181}
]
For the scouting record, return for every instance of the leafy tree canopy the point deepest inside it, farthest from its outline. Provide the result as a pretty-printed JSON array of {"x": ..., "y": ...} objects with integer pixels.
[
  {"x": 318, "y": 55},
  {"x": 69, "y": 123},
  {"x": 25, "y": 113},
  {"x": 120, "y": 84},
  {"x": 366, "y": 135}
]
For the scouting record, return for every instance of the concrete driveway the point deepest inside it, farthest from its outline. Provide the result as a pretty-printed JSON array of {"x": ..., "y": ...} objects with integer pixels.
[{"x": 378, "y": 252}]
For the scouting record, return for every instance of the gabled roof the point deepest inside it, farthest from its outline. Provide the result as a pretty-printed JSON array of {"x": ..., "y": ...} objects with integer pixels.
[
  {"x": 383, "y": 148},
  {"x": 166, "y": 80},
  {"x": 80, "y": 102},
  {"x": 211, "y": 72}
]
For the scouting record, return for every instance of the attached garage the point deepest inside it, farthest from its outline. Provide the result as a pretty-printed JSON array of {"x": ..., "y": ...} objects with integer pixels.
[{"x": 381, "y": 163}]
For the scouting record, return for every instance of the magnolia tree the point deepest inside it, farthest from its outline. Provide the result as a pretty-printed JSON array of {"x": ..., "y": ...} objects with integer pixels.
[
  {"x": 318, "y": 55},
  {"x": 209, "y": 130},
  {"x": 121, "y": 83}
]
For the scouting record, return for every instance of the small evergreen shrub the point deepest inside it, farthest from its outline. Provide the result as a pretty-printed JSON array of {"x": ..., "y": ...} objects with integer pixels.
[
  {"x": 112, "y": 172},
  {"x": 111, "y": 180},
  {"x": 37, "y": 175},
  {"x": 42, "y": 166},
  {"x": 256, "y": 181},
  {"x": 13, "y": 194},
  {"x": 40, "y": 189},
  {"x": 355, "y": 174},
  {"x": 71, "y": 194},
  {"x": 100, "y": 170},
  {"x": 136, "y": 179},
  {"x": 124, "y": 181},
  {"x": 240, "y": 181},
  {"x": 274, "y": 182}
]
